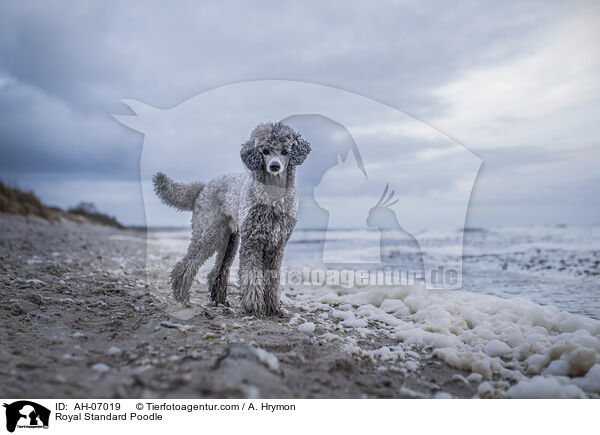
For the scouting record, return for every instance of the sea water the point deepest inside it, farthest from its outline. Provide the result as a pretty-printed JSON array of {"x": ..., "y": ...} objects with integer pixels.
[{"x": 549, "y": 265}]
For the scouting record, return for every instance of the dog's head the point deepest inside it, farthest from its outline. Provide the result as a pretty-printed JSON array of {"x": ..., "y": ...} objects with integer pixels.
[{"x": 274, "y": 147}]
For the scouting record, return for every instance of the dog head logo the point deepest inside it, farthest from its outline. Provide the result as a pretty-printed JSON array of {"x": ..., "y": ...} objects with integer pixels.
[
  {"x": 432, "y": 175},
  {"x": 26, "y": 414}
]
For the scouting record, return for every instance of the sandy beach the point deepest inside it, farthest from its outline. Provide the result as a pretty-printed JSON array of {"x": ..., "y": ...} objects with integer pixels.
[{"x": 80, "y": 319}]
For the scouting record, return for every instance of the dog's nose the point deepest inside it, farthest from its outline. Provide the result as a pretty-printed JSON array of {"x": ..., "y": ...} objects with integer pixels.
[{"x": 274, "y": 166}]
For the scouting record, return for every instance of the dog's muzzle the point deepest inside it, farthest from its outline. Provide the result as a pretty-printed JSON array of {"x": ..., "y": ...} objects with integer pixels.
[{"x": 275, "y": 167}]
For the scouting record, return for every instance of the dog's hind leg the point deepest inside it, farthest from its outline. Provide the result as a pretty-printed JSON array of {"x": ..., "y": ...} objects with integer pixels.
[
  {"x": 184, "y": 272},
  {"x": 219, "y": 275}
]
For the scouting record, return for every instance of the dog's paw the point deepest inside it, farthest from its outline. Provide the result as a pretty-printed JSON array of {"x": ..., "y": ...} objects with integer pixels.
[
  {"x": 181, "y": 295},
  {"x": 254, "y": 310},
  {"x": 183, "y": 299},
  {"x": 282, "y": 313},
  {"x": 252, "y": 303},
  {"x": 225, "y": 303},
  {"x": 218, "y": 296},
  {"x": 278, "y": 312}
]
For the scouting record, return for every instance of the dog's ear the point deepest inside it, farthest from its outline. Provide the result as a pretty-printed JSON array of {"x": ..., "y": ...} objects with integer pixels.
[
  {"x": 299, "y": 152},
  {"x": 251, "y": 156}
]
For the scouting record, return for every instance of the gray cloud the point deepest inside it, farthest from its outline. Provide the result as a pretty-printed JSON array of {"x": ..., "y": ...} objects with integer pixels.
[{"x": 64, "y": 67}]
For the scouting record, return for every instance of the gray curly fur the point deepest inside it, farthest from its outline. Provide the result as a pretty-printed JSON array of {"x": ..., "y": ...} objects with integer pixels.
[{"x": 258, "y": 207}]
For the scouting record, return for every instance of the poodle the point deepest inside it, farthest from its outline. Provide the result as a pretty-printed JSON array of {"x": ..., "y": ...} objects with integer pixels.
[{"x": 259, "y": 207}]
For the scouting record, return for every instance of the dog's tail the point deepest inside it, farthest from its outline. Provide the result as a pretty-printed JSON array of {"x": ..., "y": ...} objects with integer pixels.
[{"x": 182, "y": 196}]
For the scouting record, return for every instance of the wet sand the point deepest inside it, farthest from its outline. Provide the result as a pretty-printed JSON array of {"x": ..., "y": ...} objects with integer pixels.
[{"x": 80, "y": 319}]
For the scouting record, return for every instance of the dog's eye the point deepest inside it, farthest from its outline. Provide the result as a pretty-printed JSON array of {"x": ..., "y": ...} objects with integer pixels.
[
  {"x": 265, "y": 152},
  {"x": 284, "y": 153}
]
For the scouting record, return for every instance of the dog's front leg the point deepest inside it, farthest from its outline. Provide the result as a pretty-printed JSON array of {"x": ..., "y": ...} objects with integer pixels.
[
  {"x": 272, "y": 261},
  {"x": 251, "y": 277}
]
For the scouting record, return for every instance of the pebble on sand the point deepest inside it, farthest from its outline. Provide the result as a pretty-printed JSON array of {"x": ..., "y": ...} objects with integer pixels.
[{"x": 100, "y": 367}]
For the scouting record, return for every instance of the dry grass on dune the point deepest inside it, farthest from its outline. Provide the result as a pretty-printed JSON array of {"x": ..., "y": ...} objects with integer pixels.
[{"x": 16, "y": 201}]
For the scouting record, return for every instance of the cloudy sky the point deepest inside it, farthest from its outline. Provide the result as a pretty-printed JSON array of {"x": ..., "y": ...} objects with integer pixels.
[{"x": 517, "y": 83}]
